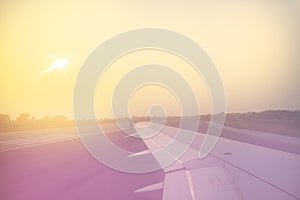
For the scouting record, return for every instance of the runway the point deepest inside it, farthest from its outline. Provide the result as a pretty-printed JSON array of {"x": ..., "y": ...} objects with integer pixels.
[{"x": 53, "y": 164}]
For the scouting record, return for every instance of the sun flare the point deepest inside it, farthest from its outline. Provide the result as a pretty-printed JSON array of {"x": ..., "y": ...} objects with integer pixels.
[{"x": 58, "y": 63}]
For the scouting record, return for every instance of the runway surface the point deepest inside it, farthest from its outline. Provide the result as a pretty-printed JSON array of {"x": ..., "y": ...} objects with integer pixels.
[{"x": 53, "y": 164}]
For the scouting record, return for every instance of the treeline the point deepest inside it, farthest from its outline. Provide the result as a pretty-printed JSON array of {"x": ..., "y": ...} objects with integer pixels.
[
  {"x": 274, "y": 121},
  {"x": 26, "y": 121},
  {"x": 282, "y": 122},
  {"x": 266, "y": 115}
]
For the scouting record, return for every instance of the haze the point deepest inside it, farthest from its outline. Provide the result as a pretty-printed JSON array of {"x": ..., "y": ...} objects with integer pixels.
[{"x": 254, "y": 45}]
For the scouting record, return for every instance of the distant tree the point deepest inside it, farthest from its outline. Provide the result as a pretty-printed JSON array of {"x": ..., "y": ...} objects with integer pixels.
[
  {"x": 46, "y": 118},
  {"x": 4, "y": 118},
  {"x": 23, "y": 117},
  {"x": 59, "y": 118}
]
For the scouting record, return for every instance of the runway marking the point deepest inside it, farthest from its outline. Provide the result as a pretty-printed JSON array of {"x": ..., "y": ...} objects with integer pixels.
[
  {"x": 36, "y": 144},
  {"x": 15, "y": 144},
  {"x": 7, "y": 144},
  {"x": 16, "y": 141}
]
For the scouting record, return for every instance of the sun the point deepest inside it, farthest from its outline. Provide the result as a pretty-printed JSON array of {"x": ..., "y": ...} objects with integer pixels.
[{"x": 58, "y": 63}]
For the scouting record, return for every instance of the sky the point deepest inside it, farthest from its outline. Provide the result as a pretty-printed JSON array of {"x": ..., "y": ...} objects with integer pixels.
[{"x": 255, "y": 46}]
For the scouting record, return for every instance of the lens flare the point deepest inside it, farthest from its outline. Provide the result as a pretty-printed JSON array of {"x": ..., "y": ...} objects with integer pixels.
[{"x": 57, "y": 64}]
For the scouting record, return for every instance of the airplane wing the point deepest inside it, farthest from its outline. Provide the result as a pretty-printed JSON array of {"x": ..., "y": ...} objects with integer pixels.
[{"x": 233, "y": 170}]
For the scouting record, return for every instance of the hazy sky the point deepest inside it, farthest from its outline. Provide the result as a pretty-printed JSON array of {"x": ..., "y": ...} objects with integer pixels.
[{"x": 254, "y": 44}]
